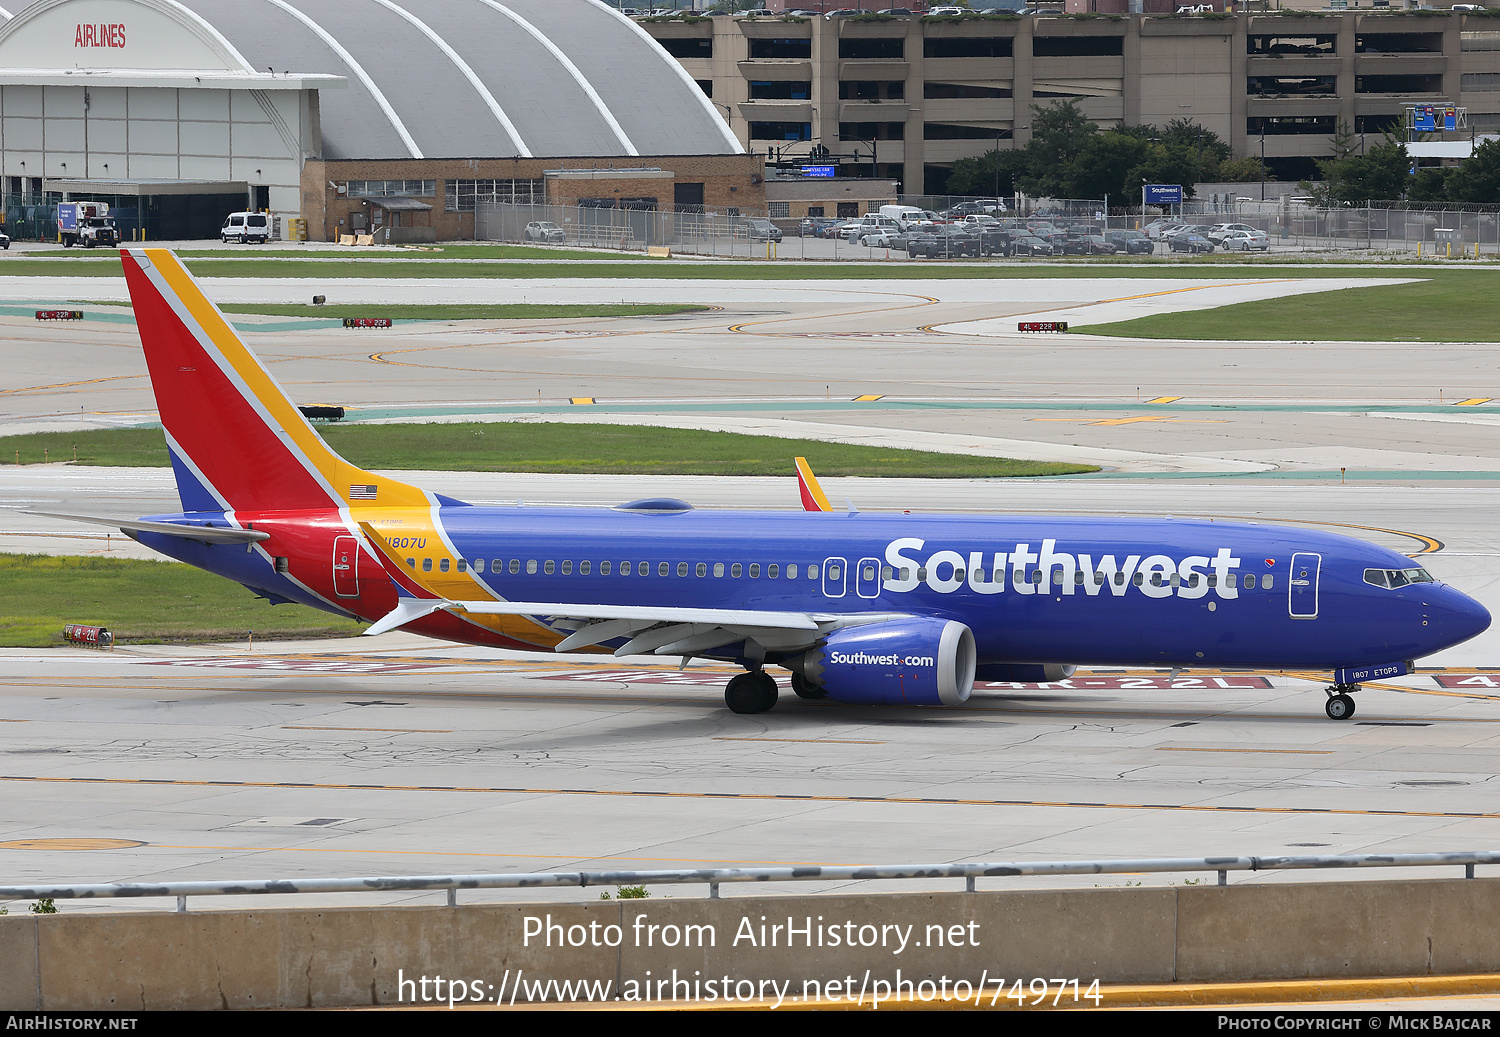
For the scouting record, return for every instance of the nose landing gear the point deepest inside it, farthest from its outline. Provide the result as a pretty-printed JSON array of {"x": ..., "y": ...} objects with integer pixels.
[{"x": 1340, "y": 705}]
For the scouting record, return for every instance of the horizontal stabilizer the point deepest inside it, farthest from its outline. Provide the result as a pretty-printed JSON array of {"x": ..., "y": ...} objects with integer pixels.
[{"x": 207, "y": 534}]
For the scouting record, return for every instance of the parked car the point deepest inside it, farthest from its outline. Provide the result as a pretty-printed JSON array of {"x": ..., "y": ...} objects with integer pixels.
[
  {"x": 4, "y": 241},
  {"x": 1193, "y": 243},
  {"x": 543, "y": 230},
  {"x": 762, "y": 229},
  {"x": 1245, "y": 241},
  {"x": 1216, "y": 234},
  {"x": 1029, "y": 245},
  {"x": 1131, "y": 242},
  {"x": 944, "y": 242},
  {"x": 246, "y": 226}
]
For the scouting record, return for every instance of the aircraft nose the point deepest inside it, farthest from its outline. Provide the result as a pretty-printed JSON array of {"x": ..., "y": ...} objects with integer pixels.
[{"x": 1457, "y": 616}]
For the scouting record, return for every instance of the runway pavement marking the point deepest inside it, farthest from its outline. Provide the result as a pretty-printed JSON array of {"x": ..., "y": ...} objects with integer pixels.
[
  {"x": 27, "y": 390},
  {"x": 813, "y": 741},
  {"x": 580, "y": 400},
  {"x": 868, "y": 398},
  {"x": 1136, "y": 420},
  {"x": 756, "y": 796},
  {"x": 71, "y": 844},
  {"x": 1476, "y": 401},
  {"x": 394, "y": 730},
  {"x": 1164, "y": 399},
  {"x": 1207, "y": 749}
]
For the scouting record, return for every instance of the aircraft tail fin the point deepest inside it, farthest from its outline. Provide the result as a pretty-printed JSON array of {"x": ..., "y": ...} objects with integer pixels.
[
  {"x": 237, "y": 441},
  {"x": 813, "y": 497}
]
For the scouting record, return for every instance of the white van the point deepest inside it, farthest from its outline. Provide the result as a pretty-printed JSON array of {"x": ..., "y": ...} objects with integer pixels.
[
  {"x": 246, "y": 226},
  {"x": 907, "y": 216}
]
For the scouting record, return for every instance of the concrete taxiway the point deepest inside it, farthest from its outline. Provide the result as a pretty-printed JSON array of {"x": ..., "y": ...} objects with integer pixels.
[{"x": 398, "y": 755}]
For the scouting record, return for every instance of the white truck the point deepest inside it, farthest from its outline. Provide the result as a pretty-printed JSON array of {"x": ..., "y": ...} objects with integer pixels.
[
  {"x": 87, "y": 224},
  {"x": 908, "y": 216}
]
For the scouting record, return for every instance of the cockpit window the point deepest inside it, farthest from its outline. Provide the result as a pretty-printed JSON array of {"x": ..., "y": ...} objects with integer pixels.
[{"x": 1393, "y": 578}]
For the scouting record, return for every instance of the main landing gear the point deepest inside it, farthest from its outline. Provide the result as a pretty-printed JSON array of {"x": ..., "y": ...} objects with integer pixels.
[
  {"x": 1340, "y": 706},
  {"x": 751, "y": 692}
]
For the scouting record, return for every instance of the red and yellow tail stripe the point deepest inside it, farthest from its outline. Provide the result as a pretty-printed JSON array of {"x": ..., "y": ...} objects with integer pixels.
[
  {"x": 234, "y": 426},
  {"x": 813, "y": 497}
]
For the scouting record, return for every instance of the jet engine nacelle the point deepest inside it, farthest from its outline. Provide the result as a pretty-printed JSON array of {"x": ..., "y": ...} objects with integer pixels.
[{"x": 917, "y": 661}]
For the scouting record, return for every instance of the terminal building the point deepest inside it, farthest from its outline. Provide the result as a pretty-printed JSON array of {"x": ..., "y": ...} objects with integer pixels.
[
  {"x": 352, "y": 115},
  {"x": 904, "y": 97}
]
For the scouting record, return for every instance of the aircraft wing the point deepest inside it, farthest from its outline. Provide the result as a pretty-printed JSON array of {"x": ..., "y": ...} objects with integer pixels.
[{"x": 662, "y": 629}]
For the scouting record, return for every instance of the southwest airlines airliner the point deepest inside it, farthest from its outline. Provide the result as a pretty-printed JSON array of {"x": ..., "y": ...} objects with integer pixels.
[{"x": 860, "y": 608}]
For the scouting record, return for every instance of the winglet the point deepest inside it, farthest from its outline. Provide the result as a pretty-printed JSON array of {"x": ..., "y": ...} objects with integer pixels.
[{"x": 813, "y": 497}]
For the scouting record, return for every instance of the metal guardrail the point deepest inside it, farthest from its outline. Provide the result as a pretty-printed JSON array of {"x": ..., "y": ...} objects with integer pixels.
[{"x": 713, "y": 877}]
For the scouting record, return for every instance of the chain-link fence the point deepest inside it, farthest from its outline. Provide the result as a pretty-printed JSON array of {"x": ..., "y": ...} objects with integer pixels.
[
  {"x": 1290, "y": 223},
  {"x": 683, "y": 230}
]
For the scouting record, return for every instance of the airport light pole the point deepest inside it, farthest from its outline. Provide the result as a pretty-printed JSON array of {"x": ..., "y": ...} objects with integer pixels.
[{"x": 1262, "y": 161}]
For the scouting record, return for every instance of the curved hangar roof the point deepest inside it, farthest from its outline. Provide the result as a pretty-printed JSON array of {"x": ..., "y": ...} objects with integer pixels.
[{"x": 436, "y": 79}]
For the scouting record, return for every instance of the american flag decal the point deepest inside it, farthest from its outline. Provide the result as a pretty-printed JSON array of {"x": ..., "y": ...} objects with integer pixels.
[{"x": 362, "y": 492}]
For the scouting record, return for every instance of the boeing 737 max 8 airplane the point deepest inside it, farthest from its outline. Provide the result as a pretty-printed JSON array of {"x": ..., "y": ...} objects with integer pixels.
[{"x": 861, "y": 608}]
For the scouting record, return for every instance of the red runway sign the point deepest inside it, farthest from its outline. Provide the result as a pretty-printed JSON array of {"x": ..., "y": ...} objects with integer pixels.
[{"x": 1467, "y": 680}]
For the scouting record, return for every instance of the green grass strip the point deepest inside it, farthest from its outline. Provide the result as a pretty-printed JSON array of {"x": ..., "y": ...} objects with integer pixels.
[
  {"x": 1456, "y": 306},
  {"x": 577, "y": 449},
  {"x": 498, "y": 311},
  {"x": 142, "y": 602}
]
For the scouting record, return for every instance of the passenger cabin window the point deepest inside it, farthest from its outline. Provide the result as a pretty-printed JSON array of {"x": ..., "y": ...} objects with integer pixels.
[
  {"x": 549, "y": 567},
  {"x": 443, "y": 565},
  {"x": 427, "y": 565},
  {"x": 567, "y": 567}
]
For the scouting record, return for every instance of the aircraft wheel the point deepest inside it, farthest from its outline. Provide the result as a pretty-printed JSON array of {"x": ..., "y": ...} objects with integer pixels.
[
  {"x": 1339, "y": 707},
  {"x": 753, "y": 692},
  {"x": 805, "y": 690}
]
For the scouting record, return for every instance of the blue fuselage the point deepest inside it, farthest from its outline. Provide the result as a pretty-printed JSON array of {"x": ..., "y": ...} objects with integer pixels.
[{"x": 1033, "y": 589}]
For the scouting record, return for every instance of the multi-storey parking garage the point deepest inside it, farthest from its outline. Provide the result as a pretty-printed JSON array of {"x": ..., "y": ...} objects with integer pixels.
[
  {"x": 314, "y": 108},
  {"x": 904, "y": 97}
]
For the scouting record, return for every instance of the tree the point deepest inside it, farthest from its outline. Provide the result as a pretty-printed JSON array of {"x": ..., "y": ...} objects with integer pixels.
[
  {"x": 978, "y": 176},
  {"x": 1058, "y": 133},
  {"x": 1243, "y": 171},
  {"x": 1168, "y": 164},
  {"x": 1382, "y": 172},
  {"x": 1478, "y": 179},
  {"x": 1206, "y": 143},
  {"x": 1429, "y": 185},
  {"x": 1102, "y": 163},
  {"x": 1342, "y": 140}
]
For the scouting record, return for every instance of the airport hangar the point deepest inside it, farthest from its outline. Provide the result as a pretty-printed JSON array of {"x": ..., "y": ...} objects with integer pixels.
[{"x": 351, "y": 114}]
